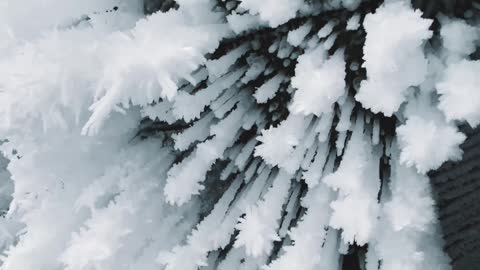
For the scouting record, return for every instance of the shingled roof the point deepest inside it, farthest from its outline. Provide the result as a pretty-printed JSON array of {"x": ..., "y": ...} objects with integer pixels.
[{"x": 457, "y": 191}]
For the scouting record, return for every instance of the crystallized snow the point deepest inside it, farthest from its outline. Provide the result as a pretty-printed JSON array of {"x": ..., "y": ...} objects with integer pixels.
[
  {"x": 411, "y": 205},
  {"x": 353, "y": 23},
  {"x": 349, "y": 4},
  {"x": 275, "y": 12},
  {"x": 244, "y": 22},
  {"x": 191, "y": 172},
  {"x": 197, "y": 132},
  {"x": 397, "y": 62},
  {"x": 58, "y": 13},
  {"x": 306, "y": 252},
  {"x": 326, "y": 29},
  {"x": 459, "y": 92},
  {"x": 407, "y": 237},
  {"x": 97, "y": 241},
  {"x": 268, "y": 89},
  {"x": 207, "y": 153},
  {"x": 419, "y": 136},
  {"x": 287, "y": 134},
  {"x": 315, "y": 171},
  {"x": 108, "y": 73},
  {"x": 216, "y": 229},
  {"x": 189, "y": 107},
  {"x": 320, "y": 82},
  {"x": 127, "y": 66},
  {"x": 219, "y": 67},
  {"x": 257, "y": 65},
  {"x": 258, "y": 229},
  {"x": 294, "y": 161},
  {"x": 419, "y": 140},
  {"x": 459, "y": 37},
  {"x": 357, "y": 182},
  {"x": 210, "y": 234},
  {"x": 296, "y": 37}
]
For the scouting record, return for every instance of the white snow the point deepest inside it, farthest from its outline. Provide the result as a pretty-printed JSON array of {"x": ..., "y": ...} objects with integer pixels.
[
  {"x": 268, "y": 89},
  {"x": 459, "y": 37},
  {"x": 275, "y": 12},
  {"x": 296, "y": 37},
  {"x": 397, "y": 62},
  {"x": 419, "y": 140},
  {"x": 258, "y": 229},
  {"x": 353, "y": 23},
  {"x": 288, "y": 134},
  {"x": 459, "y": 90},
  {"x": 357, "y": 182},
  {"x": 326, "y": 29},
  {"x": 320, "y": 82},
  {"x": 191, "y": 172},
  {"x": 183, "y": 153},
  {"x": 189, "y": 107},
  {"x": 407, "y": 236},
  {"x": 245, "y": 22},
  {"x": 218, "y": 67},
  {"x": 306, "y": 252}
]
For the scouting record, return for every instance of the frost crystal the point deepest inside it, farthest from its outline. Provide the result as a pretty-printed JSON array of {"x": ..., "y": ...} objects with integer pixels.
[
  {"x": 402, "y": 32},
  {"x": 232, "y": 134}
]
